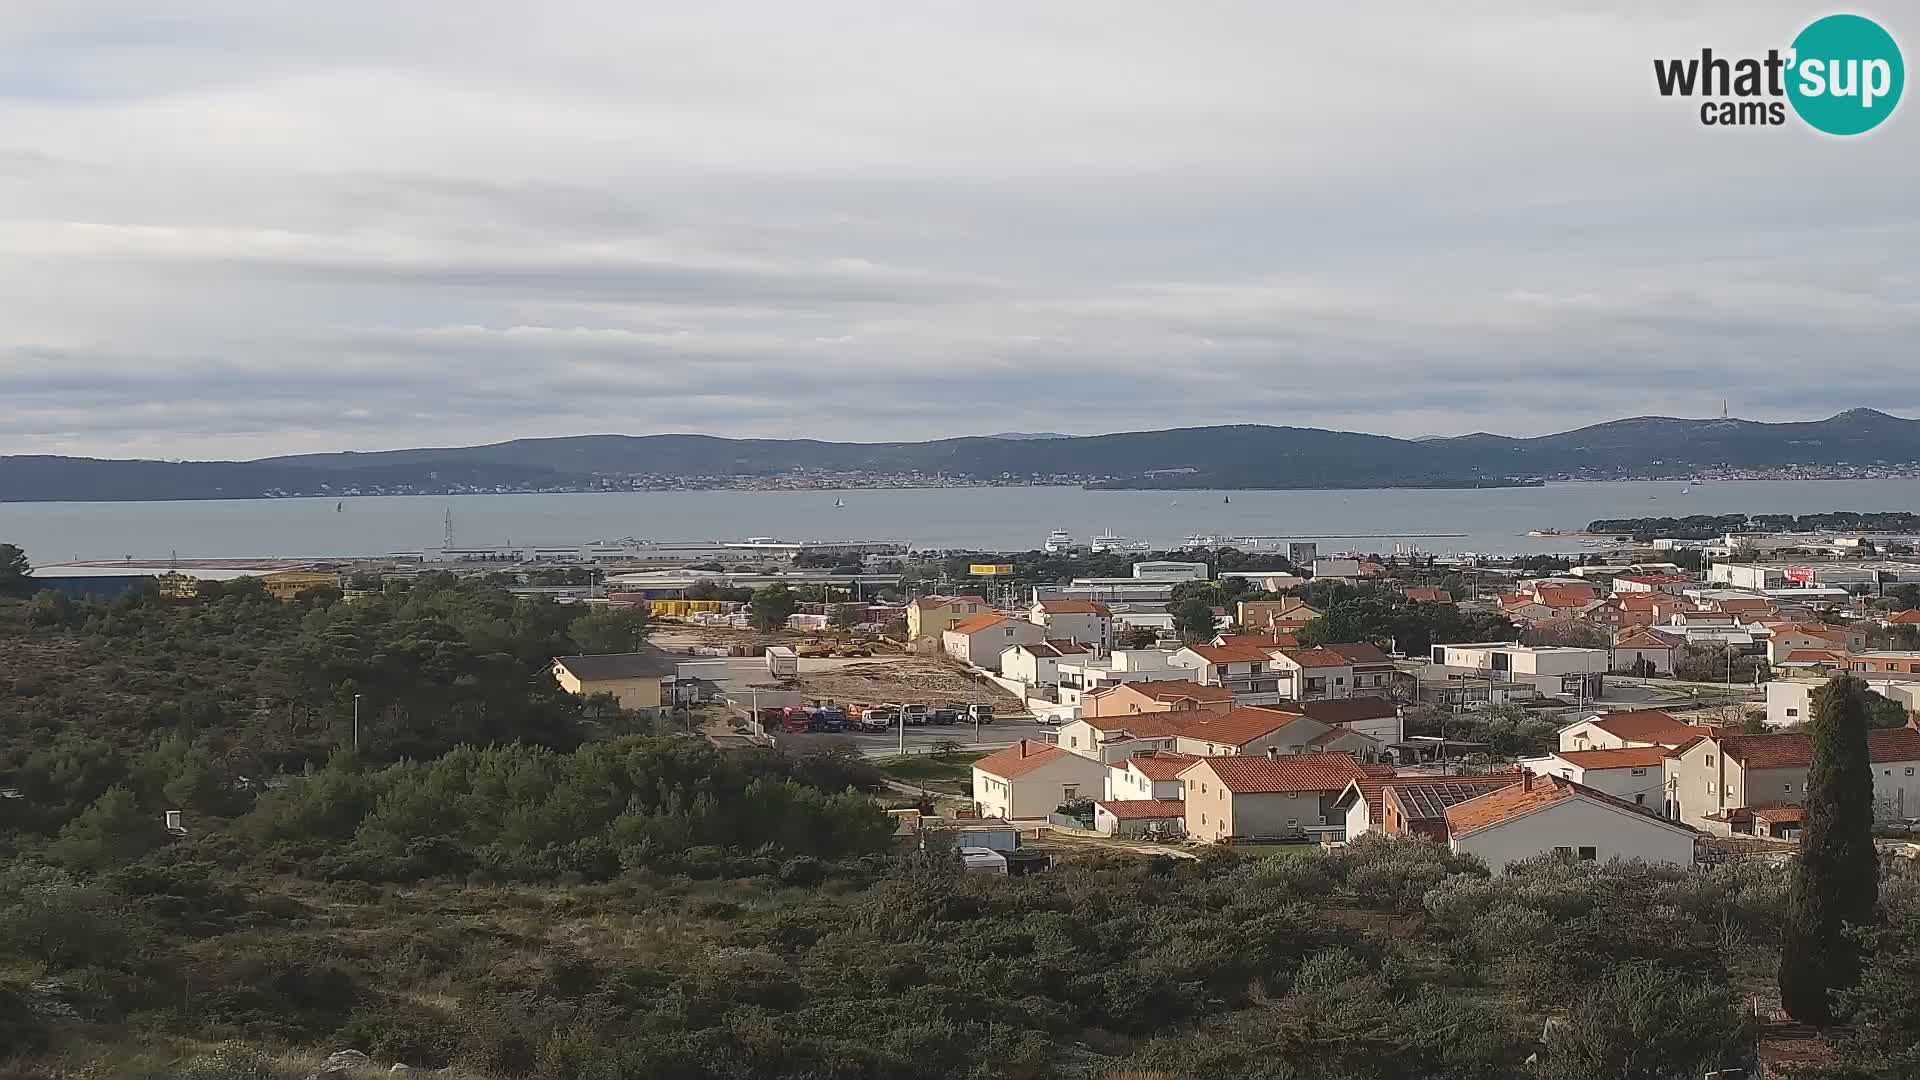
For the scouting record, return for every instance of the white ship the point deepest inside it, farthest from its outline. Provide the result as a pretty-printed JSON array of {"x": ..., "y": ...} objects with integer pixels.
[
  {"x": 1059, "y": 540},
  {"x": 1107, "y": 541}
]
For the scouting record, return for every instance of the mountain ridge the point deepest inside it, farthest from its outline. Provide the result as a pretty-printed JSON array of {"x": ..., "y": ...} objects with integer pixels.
[{"x": 1218, "y": 456}]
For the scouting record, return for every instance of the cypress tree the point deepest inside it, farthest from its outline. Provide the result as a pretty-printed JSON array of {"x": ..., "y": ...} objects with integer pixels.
[{"x": 1836, "y": 880}]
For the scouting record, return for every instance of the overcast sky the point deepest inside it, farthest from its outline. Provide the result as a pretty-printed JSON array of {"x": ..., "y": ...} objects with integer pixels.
[{"x": 251, "y": 227}]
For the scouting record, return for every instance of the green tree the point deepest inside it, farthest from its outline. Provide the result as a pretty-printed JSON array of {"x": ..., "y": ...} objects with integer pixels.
[
  {"x": 1647, "y": 1022},
  {"x": 1193, "y": 620},
  {"x": 113, "y": 831},
  {"x": 773, "y": 605},
  {"x": 1836, "y": 879},
  {"x": 16, "y": 573},
  {"x": 609, "y": 630},
  {"x": 1140, "y": 637}
]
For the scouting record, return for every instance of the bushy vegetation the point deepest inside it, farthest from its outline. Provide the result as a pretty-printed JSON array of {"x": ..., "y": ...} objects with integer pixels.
[{"x": 525, "y": 893}]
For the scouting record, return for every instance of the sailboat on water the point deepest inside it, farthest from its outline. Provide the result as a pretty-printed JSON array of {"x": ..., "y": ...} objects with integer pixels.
[
  {"x": 1228, "y": 499},
  {"x": 839, "y": 503}
]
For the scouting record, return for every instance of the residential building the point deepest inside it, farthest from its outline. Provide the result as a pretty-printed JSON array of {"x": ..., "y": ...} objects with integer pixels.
[
  {"x": 1093, "y": 673},
  {"x": 1264, "y": 580},
  {"x": 1883, "y": 662},
  {"x": 1555, "y": 815},
  {"x": 1651, "y": 583},
  {"x": 1637, "y": 727},
  {"x": 1284, "y": 615},
  {"x": 928, "y": 617},
  {"x": 1718, "y": 773},
  {"x": 1258, "y": 731},
  {"x": 1317, "y": 674},
  {"x": 1108, "y": 739},
  {"x": 1247, "y": 671},
  {"x": 1411, "y": 805},
  {"x": 1790, "y": 700},
  {"x": 1029, "y": 779},
  {"x": 981, "y": 639},
  {"x": 1422, "y": 595},
  {"x": 1641, "y": 650},
  {"x": 1791, "y": 637},
  {"x": 1376, "y": 717},
  {"x": 1152, "y": 696},
  {"x": 1373, "y": 671},
  {"x": 1228, "y": 797},
  {"x": 1088, "y": 622},
  {"x": 1637, "y": 774},
  {"x": 634, "y": 679},
  {"x": 1909, "y": 617},
  {"x": 1148, "y": 775},
  {"x": 1549, "y": 669},
  {"x": 1038, "y": 664},
  {"x": 1263, "y": 639},
  {"x": 1141, "y": 817}
]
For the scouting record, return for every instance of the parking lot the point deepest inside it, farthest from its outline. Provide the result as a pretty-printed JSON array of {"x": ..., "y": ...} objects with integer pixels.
[{"x": 924, "y": 740}]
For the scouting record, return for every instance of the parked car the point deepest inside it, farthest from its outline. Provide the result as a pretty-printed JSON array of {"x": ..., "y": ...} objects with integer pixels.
[{"x": 944, "y": 717}]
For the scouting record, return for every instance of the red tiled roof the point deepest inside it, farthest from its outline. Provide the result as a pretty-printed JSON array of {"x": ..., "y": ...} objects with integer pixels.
[
  {"x": 1258, "y": 641},
  {"x": 1235, "y": 727},
  {"x": 1429, "y": 596},
  {"x": 1019, "y": 759},
  {"x": 1369, "y": 788},
  {"x": 1646, "y": 725},
  {"x": 1074, "y": 607},
  {"x": 1136, "y": 809},
  {"x": 1143, "y": 725},
  {"x": 1642, "y": 638},
  {"x": 1248, "y": 775},
  {"x": 1175, "y": 690},
  {"x": 1229, "y": 654},
  {"x": 1504, "y": 804},
  {"x": 1794, "y": 750},
  {"x": 1744, "y": 603},
  {"x": 1158, "y": 764},
  {"x": 1316, "y": 658},
  {"x": 1359, "y": 652},
  {"x": 973, "y": 624},
  {"x": 1779, "y": 815},
  {"x": 1816, "y": 656},
  {"x": 1377, "y": 770},
  {"x": 1565, "y": 596},
  {"x": 1908, "y": 617},
  {"x": 1635, "y": 757},
  {"x": 1427, "y": 800},
  {"x": 943, "y": 601}
]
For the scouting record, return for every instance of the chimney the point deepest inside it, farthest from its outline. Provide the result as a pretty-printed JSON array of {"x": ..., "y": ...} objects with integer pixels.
[
  {"x": 1273, "y": 751},
  {"x": 1526, "y": 780}
]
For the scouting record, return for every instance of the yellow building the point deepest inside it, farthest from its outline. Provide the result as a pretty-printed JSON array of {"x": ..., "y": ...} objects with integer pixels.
[
  {"x": 288, "y": 584},
  {"x": 933, "y": 616},
  {"x": 636, "y": 680}
]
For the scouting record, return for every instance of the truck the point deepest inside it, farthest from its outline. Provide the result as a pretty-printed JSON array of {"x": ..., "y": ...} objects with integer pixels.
[
  {"x": 782, "y": 663},
  {"x": 878, "y": 718},
  {"x": 829, "y": 720},
  {"x": 980, "y": 714},
  {"x": 916, "y": 715},
  {"x": 795, "y": 720}
]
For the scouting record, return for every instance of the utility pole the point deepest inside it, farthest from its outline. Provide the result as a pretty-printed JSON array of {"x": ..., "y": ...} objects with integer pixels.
[{"x": 356, "y": 723}]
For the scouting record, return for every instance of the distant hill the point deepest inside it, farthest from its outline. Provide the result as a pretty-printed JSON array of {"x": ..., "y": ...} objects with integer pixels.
[
  {"x": 1233, "y": 456},
  {"x": 1027, "y": 436}
]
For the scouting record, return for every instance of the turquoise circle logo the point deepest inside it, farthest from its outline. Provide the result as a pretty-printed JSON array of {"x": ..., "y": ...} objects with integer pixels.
[{"x": 1847, "y": 75}]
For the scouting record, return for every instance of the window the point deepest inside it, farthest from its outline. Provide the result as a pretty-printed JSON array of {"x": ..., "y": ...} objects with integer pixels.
[
  {"x": 1640, "y": 770},
  {"x": 1909, "y": 770},
  {"x": 1069, "y": 792},
  {"x": 1709, "y": 787},
  {"x": 1339, "y": 680},
  {"x": 1640, "y": 799},
  {"x": 1588, "y": 854},
  {"x": 1793, "y": 712},
  {"x": 1786, "y": 787},
  {"x": 1073, "y": 740},
  {"x": 1563, "y": 852},
  {"x": 1293, "y": 823},
  {"x": 1203, "y": 819},
  {"x": 1709, "y": 761},
  {"x": 1323, "y": 819},
  {"x": 1203, "y": 787}
]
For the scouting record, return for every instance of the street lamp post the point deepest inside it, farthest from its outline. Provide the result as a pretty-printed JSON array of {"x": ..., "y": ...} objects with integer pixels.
[{"x": 356, "y": 723}]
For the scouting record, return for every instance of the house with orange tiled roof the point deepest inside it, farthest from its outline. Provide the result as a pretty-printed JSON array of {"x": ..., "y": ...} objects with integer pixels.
[
  {"x": 1247, "y": 670},
  {"x": 1155, "y": 695},
  {"x": 1265, "y": 639},
  {"x": 1029, "y": 779},
  {"x": 1038, "y": 663},
  {"x": 1713, "y": 774},
  {"x": 1411, "y": 805},
  {"x": 1423, "y": 595},
  {"x": 978, "y": 640},
  {"x": 1635, "y": 727},
  {"x": 1244, "y": 797},
  {"x": 1909, "y": 617},
  {"x": 1150, "y": 774},
  {"x": 1641, "y": 650},
  {"x": 1141, "y": 817},
  {"x": 929, "y": 616},
  {"x": 1637, "y": 774},
  {"x": 1543, "y": 815},
  {"x": 1786, "y": 637}
]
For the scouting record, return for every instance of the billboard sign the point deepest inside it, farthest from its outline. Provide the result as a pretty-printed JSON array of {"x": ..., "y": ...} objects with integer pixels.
[{"x": 980, "y": 569}]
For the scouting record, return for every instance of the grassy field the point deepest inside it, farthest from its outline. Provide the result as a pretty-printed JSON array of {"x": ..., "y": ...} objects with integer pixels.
[{"x": 953, "y": 772}]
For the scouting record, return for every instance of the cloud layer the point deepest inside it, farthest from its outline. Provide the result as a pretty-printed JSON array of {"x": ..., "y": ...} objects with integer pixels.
[{"x": 242, "y": 227}]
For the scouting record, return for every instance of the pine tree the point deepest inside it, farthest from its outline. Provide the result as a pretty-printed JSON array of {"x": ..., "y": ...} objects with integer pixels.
[{"x": 1836, "y": 880}]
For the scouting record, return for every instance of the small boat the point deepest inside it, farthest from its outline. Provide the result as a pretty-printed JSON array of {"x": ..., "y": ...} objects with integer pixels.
[
  {"x": 838, "y": 503},
  {"x": 1226, "y": 499},
  {"x": 339, "y": 506}
]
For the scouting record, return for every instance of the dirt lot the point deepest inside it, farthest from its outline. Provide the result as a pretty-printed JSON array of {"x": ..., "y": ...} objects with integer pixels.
[
  {"x": 679, "y": 637},
  {"x": 901, "y": 679}
]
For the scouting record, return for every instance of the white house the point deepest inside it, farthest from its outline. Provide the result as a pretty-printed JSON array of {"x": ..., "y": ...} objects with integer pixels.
[
  {"x": 1318, "y": 674},
  {"x": 1038, "y": 664},
  {"x": 1088, "y": 622},
  {"x": 1550, "y": 670},
  {"x": 1640, "y": 649},
  {"x": 1087, "y": 674},
  {"x": 1138, "y": 817},
  {"x": 1551, "y": 814},
  {"x": 1029, "y": 779},
  {"x": 1249, "y": 672},
  {"x": 1790, "y": 701},
  {"x": 1376, "y": 717},
  {"x": 1636, "y": 774},
  {"x": 980, "y": 639},
  {"x": 1147, "y": 775}
]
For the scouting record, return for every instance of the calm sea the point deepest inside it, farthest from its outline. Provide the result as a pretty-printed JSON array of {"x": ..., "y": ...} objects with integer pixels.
[{"x": 1491, "y": 520}]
